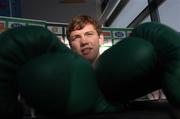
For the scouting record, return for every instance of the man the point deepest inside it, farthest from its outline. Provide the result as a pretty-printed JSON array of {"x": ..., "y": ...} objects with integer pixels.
[{"x": 84, "y": 34}]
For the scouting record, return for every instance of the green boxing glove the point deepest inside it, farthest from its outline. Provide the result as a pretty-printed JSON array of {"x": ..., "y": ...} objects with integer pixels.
[
  {"x": 47, "y": 74},
  {"x": 17, "y": 47},
  {"x": 166, "y": 42},
  {"x": 145, "y": 61},
  {"x": 124, "y": 71},
  {"x": 59, "y": 83}
]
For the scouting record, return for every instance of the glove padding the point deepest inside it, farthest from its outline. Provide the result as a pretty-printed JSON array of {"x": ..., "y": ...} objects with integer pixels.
[
  {"x": 123, "y": 71},
  {"x": 166, "y": 42},
  {"x": 20, "y": 49},
  {"x": 59, "y": 84},
  {"x": 146, "y": 61},
  {"x": 17, "y": 46}
]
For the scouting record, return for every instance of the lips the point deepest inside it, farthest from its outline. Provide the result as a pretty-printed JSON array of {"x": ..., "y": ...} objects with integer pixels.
[{"x": 86, "y": 51}]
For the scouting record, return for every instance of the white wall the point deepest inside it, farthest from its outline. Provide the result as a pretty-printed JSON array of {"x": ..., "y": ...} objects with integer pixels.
[
  {"x": 169, "y": 13},
  {"x": 131, "y": 10}
]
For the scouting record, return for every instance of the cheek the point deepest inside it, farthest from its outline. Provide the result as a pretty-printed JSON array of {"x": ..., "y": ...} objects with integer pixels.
[
  {"x": 75, "y": 46},
  {"x": 96, "y": 43}
]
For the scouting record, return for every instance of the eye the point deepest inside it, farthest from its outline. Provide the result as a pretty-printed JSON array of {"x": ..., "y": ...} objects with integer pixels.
[
  {"x": 73, "y": 38},
  {"x": 89, "y": 34}
]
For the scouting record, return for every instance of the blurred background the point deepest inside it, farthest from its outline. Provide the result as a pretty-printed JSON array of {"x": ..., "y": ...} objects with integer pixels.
[{"x": 112, "y": 13}]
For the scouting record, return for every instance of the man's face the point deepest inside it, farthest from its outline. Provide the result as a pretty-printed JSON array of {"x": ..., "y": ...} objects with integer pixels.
[{"x": 86, "y": 42}]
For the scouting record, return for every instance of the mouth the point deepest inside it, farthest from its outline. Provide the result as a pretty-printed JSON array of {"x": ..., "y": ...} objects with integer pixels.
[{"x": 86, "y": 51}]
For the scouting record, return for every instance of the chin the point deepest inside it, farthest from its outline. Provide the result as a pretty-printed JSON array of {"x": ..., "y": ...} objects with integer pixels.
[{"x": 88, "y": 58}]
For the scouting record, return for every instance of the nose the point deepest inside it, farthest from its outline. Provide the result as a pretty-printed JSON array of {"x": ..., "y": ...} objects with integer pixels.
[{"x": 84, "y": 41}]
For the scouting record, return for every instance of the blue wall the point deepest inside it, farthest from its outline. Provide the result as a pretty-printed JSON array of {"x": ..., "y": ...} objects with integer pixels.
[{"x": 10, "y": 8}]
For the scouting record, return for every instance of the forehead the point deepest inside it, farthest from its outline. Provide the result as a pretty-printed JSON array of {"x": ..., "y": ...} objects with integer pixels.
[{"x": 87, "y": 28}]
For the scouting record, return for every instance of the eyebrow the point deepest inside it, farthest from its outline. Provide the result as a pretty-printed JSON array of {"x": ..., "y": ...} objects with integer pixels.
[{"x": 84, "y": 33}]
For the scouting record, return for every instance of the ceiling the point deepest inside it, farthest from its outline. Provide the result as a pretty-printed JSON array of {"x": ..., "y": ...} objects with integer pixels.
[{"x": 72, "y": 1}]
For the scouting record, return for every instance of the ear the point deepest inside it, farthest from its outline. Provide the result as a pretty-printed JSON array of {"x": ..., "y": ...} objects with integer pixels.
[{"x": 101, "y": 39}]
